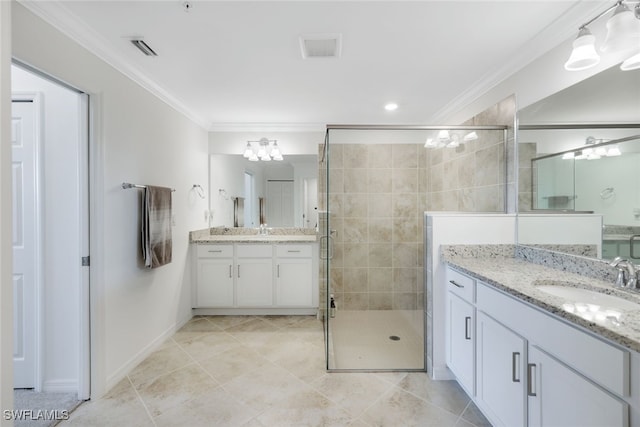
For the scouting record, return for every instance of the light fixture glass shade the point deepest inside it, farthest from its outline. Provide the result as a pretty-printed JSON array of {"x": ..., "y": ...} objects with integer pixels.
[
  {"x": 601, "y": 151},
  {"x": 443, "y": 135},
  {"x": 614, "y": 151},
  {"x": 569, "y": 155},
  {"x": 584, "y": 53},
  {"x": 248, "y": 152},
  {"x": 275, "y": 151},
  {"x": 430, "y": 143},
  {"x": 253, "y": 158},
  {"x": 471, "y": 136},
  {"x": 632, "y": 63},
  {"x": 623, "y": 31}
]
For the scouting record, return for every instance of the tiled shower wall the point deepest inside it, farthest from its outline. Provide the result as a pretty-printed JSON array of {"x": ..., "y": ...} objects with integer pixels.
[
  {"x": 376, "y": 197},
  {"x": 378, "y": 194}
]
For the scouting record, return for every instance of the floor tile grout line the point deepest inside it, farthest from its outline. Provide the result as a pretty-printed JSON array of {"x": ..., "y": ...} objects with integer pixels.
[{"x": 144, "y": 405}]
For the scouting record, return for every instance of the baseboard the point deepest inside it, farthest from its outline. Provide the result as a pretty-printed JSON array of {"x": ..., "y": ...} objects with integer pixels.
[
  {"x": 60, "y": 386},
  {"x": 254, "y": 311},
  {"x": 441, "y": 373},
  {"x": 124, "y": 370}
]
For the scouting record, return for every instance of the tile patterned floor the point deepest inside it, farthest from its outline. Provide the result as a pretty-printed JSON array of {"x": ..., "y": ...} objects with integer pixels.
[{"x": 265, "y": 371}]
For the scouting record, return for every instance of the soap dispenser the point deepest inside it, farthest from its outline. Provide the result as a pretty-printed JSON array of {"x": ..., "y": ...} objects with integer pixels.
[{"x": 332, "y": 307}]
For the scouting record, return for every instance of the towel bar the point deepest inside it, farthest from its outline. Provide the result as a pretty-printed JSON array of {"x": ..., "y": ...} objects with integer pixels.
[{"x": 126, "y": 185}]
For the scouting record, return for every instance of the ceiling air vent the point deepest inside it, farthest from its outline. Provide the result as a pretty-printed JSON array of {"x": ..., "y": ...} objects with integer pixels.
[
  {"x": 144, "y": 48},
  {"x": 320, "y": 45}
]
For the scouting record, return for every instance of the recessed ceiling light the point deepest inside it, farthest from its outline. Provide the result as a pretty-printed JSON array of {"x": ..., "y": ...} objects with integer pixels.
[{"x": 391, "y": 106}]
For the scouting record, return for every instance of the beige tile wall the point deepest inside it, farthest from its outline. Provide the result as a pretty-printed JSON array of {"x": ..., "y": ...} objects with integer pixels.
[
  {"x": 378, "y": 194},
  {"x": 376, "y": 210}
]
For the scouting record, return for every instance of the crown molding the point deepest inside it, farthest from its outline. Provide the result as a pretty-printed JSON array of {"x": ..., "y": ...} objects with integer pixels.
[
  {"x": 267, "y": 127},
  {"x": 59, "y": 16},
  {"x": 552, "y": 35}
]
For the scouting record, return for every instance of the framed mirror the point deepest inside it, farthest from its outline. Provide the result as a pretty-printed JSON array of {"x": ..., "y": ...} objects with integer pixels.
[{"x": 578, "y": 156}]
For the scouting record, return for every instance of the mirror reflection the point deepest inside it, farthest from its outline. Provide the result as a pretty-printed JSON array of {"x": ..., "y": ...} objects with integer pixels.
[
  {"x": 578, "y": 153},
  {"x": 278, "y": 193}
]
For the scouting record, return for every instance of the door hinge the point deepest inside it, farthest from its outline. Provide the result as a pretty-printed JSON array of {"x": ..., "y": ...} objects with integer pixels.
[{"x": 86, "y": 261}]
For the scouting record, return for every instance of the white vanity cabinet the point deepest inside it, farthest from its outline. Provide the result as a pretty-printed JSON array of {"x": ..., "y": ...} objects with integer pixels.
[
  {"x": 535, "y": 369},
  {"x": 294, "y": 275},
  {"x": 214, "y": 276},
  {"x": 558, "y": 396},
  {"x": 500, "y": 372},
  {"x": 254, "y": 275},
  {"x": 460, "y": 338},
  {"x": 255, "y": 278}
]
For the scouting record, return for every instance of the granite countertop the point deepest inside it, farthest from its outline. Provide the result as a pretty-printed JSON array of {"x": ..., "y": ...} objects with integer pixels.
[
  {"x": 256, "y": 238},
  {"x": 521, "y": 278},
  {"x": 251, "y": 235}
]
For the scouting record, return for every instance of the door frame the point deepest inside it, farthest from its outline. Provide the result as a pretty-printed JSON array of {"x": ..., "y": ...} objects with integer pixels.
[
  {"x": 90, "y": 366},
  {"x": 36, "y": 99}
]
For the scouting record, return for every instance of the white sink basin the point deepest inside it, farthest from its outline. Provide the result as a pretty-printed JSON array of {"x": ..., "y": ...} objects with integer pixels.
[{"x": 589, "y": 298}]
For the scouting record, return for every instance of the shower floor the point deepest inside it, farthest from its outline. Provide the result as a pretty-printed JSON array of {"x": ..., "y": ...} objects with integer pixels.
[{"x": 377, "y": 340}]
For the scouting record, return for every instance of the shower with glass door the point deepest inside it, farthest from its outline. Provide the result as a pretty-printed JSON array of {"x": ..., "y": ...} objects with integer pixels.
[{"x": 375, "y": 183}]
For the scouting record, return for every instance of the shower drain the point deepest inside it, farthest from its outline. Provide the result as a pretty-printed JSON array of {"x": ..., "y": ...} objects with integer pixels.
[{"x": 394, "y": 338}]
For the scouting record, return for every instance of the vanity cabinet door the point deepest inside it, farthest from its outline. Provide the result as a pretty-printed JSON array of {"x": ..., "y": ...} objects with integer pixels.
[
  {"x": 214, "y": 282},
  {"x": 501, "y": 359},
  {"x": 559, "y": 397},
  {"x": 294, "y": 282},
  {"x": 460, "y": 341},
  {"x": 254, "y": 282}
]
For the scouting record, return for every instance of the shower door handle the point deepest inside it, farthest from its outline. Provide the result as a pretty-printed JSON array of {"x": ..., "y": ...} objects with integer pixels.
[{"x": 326, "y": 242}]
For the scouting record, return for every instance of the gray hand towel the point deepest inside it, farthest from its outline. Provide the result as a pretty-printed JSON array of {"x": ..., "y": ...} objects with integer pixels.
[{"x": 156, "y": 226}]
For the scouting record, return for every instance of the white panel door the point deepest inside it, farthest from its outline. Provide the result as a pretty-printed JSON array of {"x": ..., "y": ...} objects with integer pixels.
[{"x": 24, "y": 243}]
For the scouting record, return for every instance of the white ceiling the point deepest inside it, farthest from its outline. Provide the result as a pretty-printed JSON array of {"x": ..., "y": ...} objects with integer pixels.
[{"x": 237, "y": 65}]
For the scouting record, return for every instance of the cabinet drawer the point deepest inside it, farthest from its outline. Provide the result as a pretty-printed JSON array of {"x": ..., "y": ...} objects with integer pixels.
[
  {"x": 592, "y": 357},
  {"x": 293, "y": 251},
  {"x": 215, "y": 251},
  {"x": 254, "y": 251},
  {"x": 460, "y": 284}
]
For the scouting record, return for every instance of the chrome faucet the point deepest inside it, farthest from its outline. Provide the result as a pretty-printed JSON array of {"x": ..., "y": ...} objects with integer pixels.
[
  {"x": 264, "y": 230},
  {"x": 627, "y": 274}
]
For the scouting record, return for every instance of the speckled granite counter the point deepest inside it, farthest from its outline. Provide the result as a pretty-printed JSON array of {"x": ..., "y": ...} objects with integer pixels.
[
  {"x": 250, "y": 235},
  {"x": 503, "y": 267}
]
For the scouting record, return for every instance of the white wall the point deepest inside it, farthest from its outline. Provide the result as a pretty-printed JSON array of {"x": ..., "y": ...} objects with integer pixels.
[
  {"x": 61, "y": 228},
  {"x": 454, "y": 229},
  {"x": 6, "y": 230},
  {"x": 142, "y": 140},
  {"x": 540, "y": 78}
]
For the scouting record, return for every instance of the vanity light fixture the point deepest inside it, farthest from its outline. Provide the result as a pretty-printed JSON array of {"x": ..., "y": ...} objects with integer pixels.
[
  {"x": 266, "y": 152},
  {"x": 448, "y": 139},
  {"x": 596, "y": 149},
  {"x": 623, "y": 36}
]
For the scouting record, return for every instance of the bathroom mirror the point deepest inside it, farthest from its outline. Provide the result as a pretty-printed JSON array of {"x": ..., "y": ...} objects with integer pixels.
[
  {"x": 565, "y": 165},
  {"x": 287, "y": 189}
]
